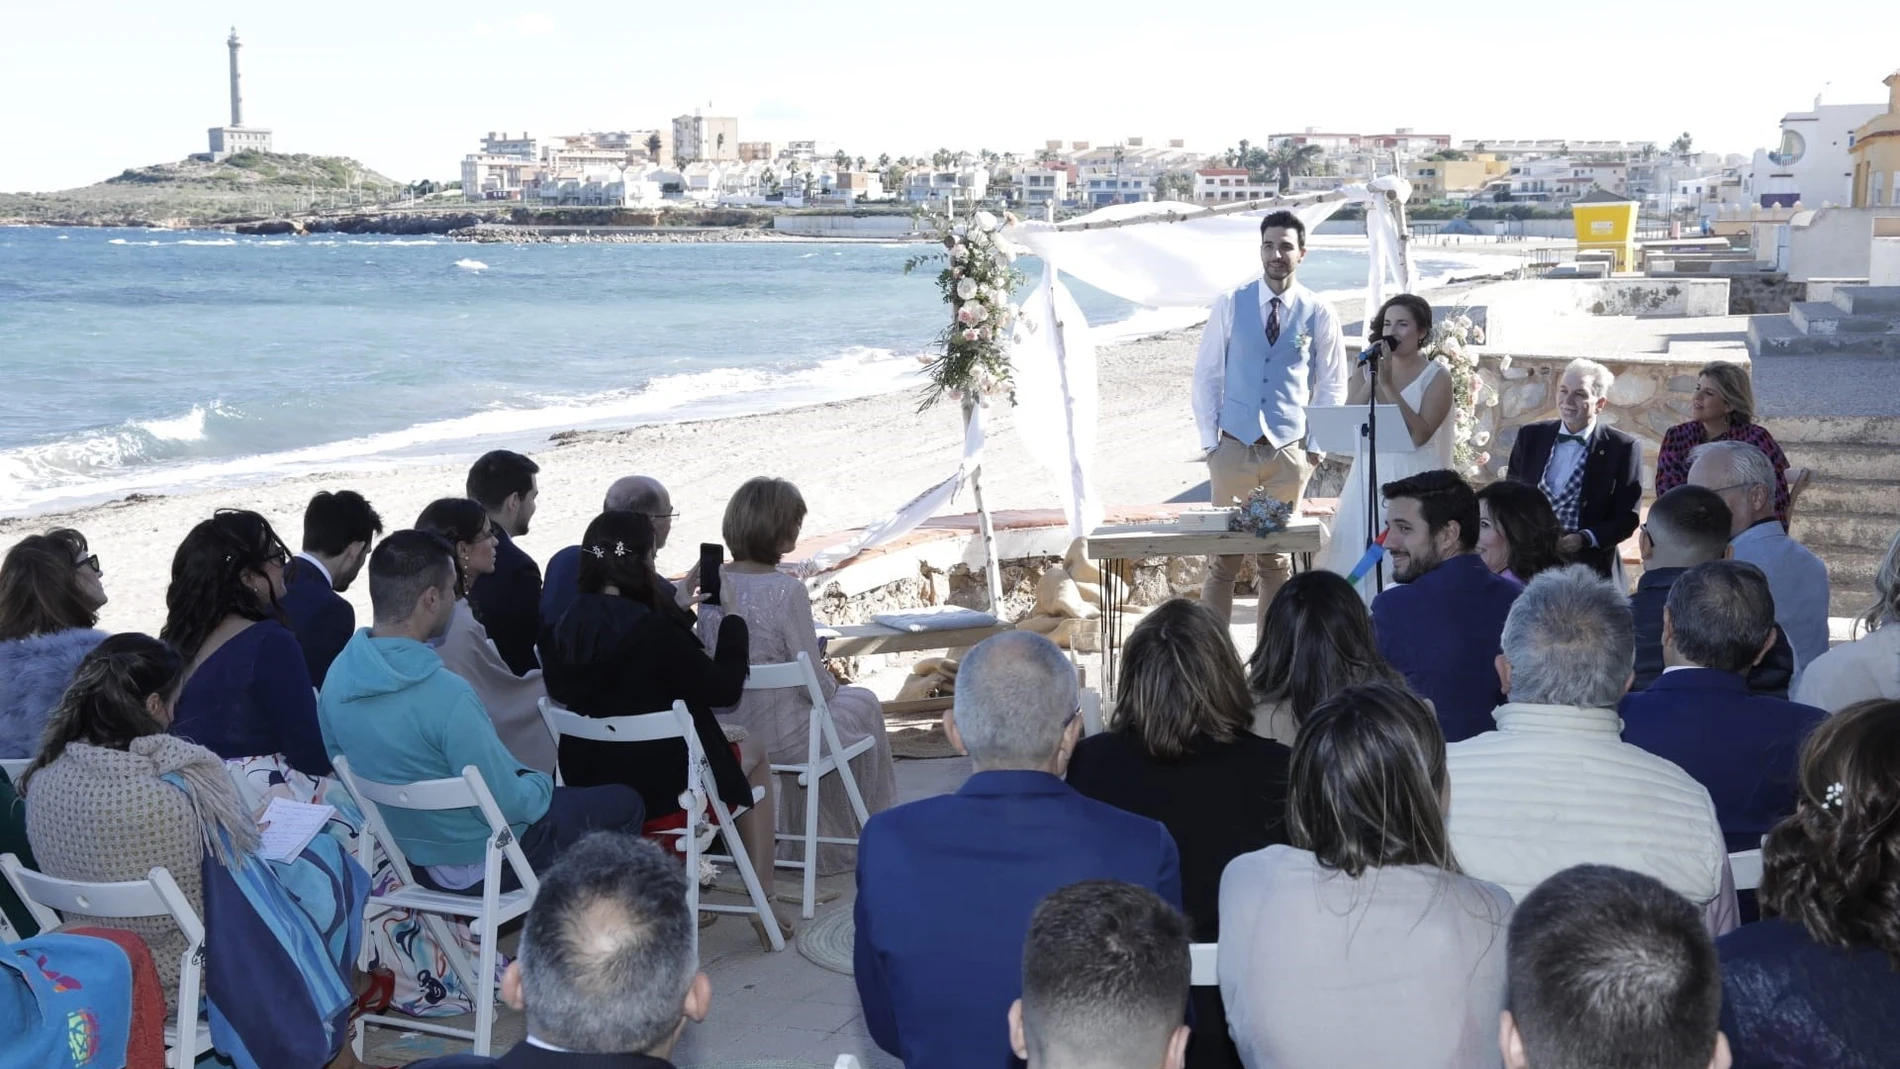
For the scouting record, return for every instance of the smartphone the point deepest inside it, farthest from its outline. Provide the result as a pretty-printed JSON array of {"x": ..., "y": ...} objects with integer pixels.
[{"x": 711, "y": 556}]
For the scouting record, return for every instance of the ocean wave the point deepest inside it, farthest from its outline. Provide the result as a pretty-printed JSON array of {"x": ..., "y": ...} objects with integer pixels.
[{"x": 472, "y": 265}]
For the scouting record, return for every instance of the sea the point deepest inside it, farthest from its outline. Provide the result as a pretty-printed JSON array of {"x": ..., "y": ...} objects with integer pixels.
[{"x": 151, "y": 361}]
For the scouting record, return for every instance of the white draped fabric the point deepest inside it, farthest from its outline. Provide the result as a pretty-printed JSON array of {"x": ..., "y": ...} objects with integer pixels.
[{"x": 1166, "y": 254}]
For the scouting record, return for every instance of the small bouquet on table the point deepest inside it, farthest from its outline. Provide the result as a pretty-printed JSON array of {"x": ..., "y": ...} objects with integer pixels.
[{"x": 1261, "y": 513}]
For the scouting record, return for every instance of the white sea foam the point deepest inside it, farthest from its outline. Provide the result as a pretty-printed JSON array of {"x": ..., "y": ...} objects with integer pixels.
[
  {"x": 189, "y": 427},
  {"x": 472, "y": 265},
  {"x": 217, "y": 241}
]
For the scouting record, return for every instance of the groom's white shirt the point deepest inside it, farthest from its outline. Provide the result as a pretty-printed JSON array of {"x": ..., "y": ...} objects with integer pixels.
[{"x": 1210, "y": 364}]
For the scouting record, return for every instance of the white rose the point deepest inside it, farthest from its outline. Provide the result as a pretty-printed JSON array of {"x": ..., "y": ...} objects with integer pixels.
[
  {"x": 966, "y": 289},
  {"x": 1464, "y": 322},
  {"x": 986, "y": 221},
  {"x": 969, "y": 334},
  {"x": 977, "y": 310}
]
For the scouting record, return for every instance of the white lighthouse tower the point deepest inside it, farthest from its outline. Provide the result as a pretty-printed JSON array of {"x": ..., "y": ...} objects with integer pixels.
[{"x": 237, "y": 137}]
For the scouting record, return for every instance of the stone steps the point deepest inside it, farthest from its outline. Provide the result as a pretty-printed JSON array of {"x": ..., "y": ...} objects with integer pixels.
[
  {"x": 1851, "y": 497},
  {"x": 1868, "y": 300},
  {"x": 1877, "y": 462},
  {"x": 1847, "y": 530},
  {"x": 1772, "y": 336},
  {"x": 1850, "y": 511},
  {"x": 1850, "y": 577},
  {"x": 1827, "y": 317}
]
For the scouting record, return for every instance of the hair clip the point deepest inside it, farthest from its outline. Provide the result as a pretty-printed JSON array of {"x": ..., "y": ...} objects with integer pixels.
[
  {"x": 620, "y": 549},
  {"x": 1836, "y": 795},
  {"x": 599, "y": 553}
]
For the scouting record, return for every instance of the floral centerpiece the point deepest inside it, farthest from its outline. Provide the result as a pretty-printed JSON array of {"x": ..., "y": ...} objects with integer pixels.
[
  {"x": 977, "y": 279},
  {"x": 1261, "y": 513},
  {"x": 1450, "y": 345}
]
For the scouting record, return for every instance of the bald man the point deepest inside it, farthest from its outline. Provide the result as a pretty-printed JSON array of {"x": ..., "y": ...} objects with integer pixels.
[{"x": 634, "y": 493}]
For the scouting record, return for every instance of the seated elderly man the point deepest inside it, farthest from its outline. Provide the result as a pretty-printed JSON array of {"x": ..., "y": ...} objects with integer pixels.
[
  {"x": 1719, "y": 624},
  {"x": 947, "y": 885},
  {"x": 1745, "y": 478},
  {"x": 634, "y": 493},
  {"x": 609, "y": 969},
  {"x": 1555, "y": 785}
]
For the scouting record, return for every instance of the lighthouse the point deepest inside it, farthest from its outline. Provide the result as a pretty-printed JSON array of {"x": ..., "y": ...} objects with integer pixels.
[{"x": 237, "y": 137}]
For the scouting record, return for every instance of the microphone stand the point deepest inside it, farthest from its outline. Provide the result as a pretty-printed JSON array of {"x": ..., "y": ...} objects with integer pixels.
[{"x": 1370, "y": 431}]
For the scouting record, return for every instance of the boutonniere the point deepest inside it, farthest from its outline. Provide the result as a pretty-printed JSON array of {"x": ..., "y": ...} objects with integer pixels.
[{"x": 1305, "y": 343}]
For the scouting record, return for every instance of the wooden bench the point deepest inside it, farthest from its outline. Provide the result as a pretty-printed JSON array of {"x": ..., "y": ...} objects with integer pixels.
[{"x": 863, "y": 640}]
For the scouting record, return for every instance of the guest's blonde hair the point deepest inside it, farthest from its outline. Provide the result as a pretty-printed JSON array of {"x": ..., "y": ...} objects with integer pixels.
[
  {"x": 763, "y": 515},
  {"x": 1733, "y": 386},
  {"x": 1886, "y": 606},
  {"x": 1181, "y": 686}
]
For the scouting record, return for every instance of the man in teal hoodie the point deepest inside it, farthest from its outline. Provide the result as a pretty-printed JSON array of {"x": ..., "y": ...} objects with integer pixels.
[{"x": 399, "y": 716}]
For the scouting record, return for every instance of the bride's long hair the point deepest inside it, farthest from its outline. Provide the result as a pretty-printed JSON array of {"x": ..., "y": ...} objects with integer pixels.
[{"x": 1420, "y": 309}]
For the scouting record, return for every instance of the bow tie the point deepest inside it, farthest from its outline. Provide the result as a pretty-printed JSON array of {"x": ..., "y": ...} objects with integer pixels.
[{"x": 1562, "y": 438}]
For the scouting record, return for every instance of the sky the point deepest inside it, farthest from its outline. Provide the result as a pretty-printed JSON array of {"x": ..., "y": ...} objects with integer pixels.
[{"x": 408, "y": 89}]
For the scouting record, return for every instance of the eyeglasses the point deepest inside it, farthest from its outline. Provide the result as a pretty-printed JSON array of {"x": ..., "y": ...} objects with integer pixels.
[
  {"x": 90, "y": 562},
  {"x": 1731, "y": 486},
  {"x": 663, "y": 515}
]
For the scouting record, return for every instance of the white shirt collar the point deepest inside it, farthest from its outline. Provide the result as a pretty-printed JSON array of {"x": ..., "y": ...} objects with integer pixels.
[
  {"x": 328, "y": 579},
  {"x": 533, "y": 1042},
  {"x": 1679, "y": 668}
]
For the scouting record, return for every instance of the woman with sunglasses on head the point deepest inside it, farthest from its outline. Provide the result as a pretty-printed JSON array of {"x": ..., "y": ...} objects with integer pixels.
[
  {"x": 247, "y": 691},
  {"x": 512, "y": 701},
  {"x": 50, "y": 595}
]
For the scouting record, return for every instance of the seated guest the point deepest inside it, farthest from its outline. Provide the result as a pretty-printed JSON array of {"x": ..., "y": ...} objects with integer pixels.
[
  {"x": 946, "y": 885},
  {"x": 508, "y": 599},
  {"x": 247, "y": 690},
  {"x": 112, "y": 796},
  {"x": 512, "y": 701},
  {"x": 635, "y": 493},
  {"x": 1517, "y": 531},
  {"x": 1689, "y": 526},
  {"x": 1742, "y": 476},
  {"x": 337, "y": 530},
  {"x": 1592, "y": 473},
  {"x": 1105, "y": 977},
  {"x": 1317, "y": 642},
  {"x": 400, "y": 717},
  {"x": 1609, "y": 968},
  {"x": 1555, "y": 785},
  {"x": 1363, "y": 943},
  {"x": 1869, "y": 668},
  {"x": 761, "y": 525},
  {"x": 622, "y": 649},
  {"x": 1720, "y": 622},
  {"x": 1723, "y": 408},
  {"x": 1181, "y": 752},
  {"x": 1818, "y": 982},
  {"x": 50, "y": 596},
  {"x": 1440, "y": 625},
  {"x": 608, "y": 973}
]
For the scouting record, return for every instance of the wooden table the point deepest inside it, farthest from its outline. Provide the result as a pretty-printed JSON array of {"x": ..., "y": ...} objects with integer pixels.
[
  {"x": 862, "y": 640},
  {"x": 1111, "y": 545}
]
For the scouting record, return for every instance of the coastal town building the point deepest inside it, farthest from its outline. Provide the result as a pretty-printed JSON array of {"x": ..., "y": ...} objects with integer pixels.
[
  {"x": 1042, "y": 184},
  {"x": 1332, "y": 144},
  {"x": 855, "y": 186},
  {"x": 1876, "y": 154},
  {"x": 1517, "y": 149},
  {"x": 701, "y": 137},
  {"x": 1812, "y": 164},
  {"x": 1454, "y": 179},
  {"x": 229, "y": 140},
  {"x": 809, "y": 150},
  {"x": 1217, "y": 185},
  {"x": 756, "y": 150},
  {"x": 966, "y": 184},
  {"x": 524, "y": 147}
]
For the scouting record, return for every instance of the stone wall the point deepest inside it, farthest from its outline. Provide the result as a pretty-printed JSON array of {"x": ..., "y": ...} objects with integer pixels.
[{"x": 1648, "y": 397}]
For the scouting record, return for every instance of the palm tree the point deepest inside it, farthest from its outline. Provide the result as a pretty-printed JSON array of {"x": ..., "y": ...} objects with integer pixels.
[
  {"x": 883, "y": 161},
  {"x": 720, "y": 146},
  {"x": 1290, "y": 159},
  {"x": 843, "y": 161},
  {"x": 653, "y": 146}
]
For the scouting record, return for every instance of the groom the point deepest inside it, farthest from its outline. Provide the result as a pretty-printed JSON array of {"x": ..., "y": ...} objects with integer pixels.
[{"x": 1270, "y": 349}]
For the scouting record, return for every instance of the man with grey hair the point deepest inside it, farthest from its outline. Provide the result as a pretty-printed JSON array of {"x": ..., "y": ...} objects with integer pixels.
[
  {"x": 1745, "y": 479},
  {"x": 1720, "y": 623},
  {"x": 946, "y": 885},
  {"x": 634, "y": 493},
  {"x": 608, "y": 973},
  {"x": 1592, "y": 473},
  {"x": 1105, "y": 981},
  {"x": 1554, "y": 785}
]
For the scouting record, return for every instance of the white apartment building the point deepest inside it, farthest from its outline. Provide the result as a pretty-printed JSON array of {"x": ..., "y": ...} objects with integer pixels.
[
  {"x": 1518, "y": 148},
  {"x": 490, "y": 176},
  {"x": 1333, "y": 144},
  {"x": 968, "y": 184},
  {"x": 1111, "y": 188},
  {"x": 1812, "y": 164},
  {"x": 524, "y": 147},
  {"x": 699, "y": 137},
  {"x": 1042, "y": 185},
  {"x": 1218, "y": 185},
  {"x": 810, "y": 150}
]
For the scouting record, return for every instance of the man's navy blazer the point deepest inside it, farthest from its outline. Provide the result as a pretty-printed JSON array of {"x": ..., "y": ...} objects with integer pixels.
[
  {"x": 946, "y": 887},
  {"x": 1612, "y": 485},
  {"x": 1441, "y": 631},
  {"x": 1743, "y": 747},
  {"x": 321, "y": 618},
  {"x": 508, "y": 603}
]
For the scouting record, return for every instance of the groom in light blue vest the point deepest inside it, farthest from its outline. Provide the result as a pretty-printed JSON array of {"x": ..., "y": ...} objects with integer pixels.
[{"x": 1271, "y": 348}]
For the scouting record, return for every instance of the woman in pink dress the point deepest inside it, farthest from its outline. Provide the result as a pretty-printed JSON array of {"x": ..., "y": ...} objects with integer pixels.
[{"x": 761, "y": 525}]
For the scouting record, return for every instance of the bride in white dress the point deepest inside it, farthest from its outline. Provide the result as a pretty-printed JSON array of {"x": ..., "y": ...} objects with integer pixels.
[{"x": 1421, "y": 388}]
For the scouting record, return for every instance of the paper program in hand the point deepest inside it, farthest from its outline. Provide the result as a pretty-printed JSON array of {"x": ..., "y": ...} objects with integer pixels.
[{"x": 287, "y": 827}]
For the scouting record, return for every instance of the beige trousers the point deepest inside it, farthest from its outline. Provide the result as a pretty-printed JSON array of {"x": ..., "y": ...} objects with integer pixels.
[{"x": 1234, "y": 471}]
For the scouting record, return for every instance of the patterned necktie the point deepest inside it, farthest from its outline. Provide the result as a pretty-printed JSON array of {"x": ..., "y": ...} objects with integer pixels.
[{"x": 1273, "y": 322}]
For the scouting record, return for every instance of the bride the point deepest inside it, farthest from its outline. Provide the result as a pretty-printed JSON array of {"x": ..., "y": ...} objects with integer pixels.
[{"x": 1421, "y": 388}]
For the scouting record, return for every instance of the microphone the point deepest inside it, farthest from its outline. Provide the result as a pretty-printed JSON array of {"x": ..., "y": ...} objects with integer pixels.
[{"x": 1378, "y": 348}]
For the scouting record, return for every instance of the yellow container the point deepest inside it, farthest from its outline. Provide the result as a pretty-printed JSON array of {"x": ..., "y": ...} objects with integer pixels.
[{"x": 1610, "y": 224}]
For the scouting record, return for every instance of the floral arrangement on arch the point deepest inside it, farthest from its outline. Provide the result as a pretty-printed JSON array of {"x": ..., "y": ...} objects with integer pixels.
[
  {"x": 977, "y": 281},
  {"x": 1452, "y": 337}
]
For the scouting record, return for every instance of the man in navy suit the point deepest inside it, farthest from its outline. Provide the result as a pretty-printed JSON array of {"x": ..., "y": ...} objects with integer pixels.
[
  {"x": 609, "y": 970},
  {"x": 1719, "y": 623},
  {"x": 947, "y": 885},
  {"x": 337, "y": 531},
  {"x": 635, "y": 493},
  {"x": 508, "y": 599},
  {"x": 1441, "y": 625},
  {"x": 1592, "y": 473}
]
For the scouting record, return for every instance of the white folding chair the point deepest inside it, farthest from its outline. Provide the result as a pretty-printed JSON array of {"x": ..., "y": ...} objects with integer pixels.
[
  {"x": 699, "y": 795},
  {"x": 14, "y": 766},
  {"x": 1203, "y": 964},
  {"x": 157, "y": 895},
  {"x": 485, "y": 914},
  {"x": 794, "y": 675},
  {"x": 1746, "y": 866}
]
